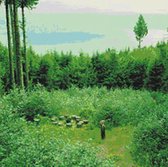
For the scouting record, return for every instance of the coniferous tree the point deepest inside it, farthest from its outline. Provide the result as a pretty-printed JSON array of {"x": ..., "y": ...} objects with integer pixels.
[{"x": 155, "y": 75}]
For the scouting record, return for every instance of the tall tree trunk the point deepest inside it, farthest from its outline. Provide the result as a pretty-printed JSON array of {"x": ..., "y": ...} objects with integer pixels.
[
  {"x": 25, "y": 63},
  {"x": 17, "y": 46},
  {"x": 13, "y": 39},
  {"x": 11, "y": 69}
]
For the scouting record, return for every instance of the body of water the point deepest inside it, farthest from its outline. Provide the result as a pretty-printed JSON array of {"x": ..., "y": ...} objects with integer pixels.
[{"x": 88, "y": 32}]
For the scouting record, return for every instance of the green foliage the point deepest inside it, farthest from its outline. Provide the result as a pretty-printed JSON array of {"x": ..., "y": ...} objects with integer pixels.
[
  {"x": 105, "y": 66},
  {"x": 164, "y": 60},
  {"x": 150, "y": 142},
  {"x": 32, "y": 103},
  {"x": 120, "y": 107},
  {"x": 140, "y": 29},
  {"x": 155, "y": 75},
  {"x": 22, "y": 144},
  {"x": 35, "y": 150},
  {"x": 137, "y": 69},
  {"x": 1, "y": 88},
  {"x": 81, "y": 72},
  {"x": 27, "y": 3},
  {"x": 26, "y": 145},
  {"x": 94, "y": 104},
  {"x": 34, "y": 65},
  {"x": 46, "y": 64},
  {"x": 4, "y": 68},
  {"x": 137, "y": 74},
  {"x": 11, "y": 128}
]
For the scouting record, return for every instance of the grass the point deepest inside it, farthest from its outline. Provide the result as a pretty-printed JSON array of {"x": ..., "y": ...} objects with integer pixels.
[
  {"x": 126, "y": 108},
  {"x": 115, "y": 146}
]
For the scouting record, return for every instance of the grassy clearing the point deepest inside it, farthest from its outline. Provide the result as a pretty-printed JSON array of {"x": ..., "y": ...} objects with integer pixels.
[{"x": 115, "y": 146}]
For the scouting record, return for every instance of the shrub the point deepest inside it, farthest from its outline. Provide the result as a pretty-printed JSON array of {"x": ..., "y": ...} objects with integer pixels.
[
  {"x": 36, "y": 150},
  {"x": 150, "y": 141},
  {"x": 32, "y": 103},
  {"x": 11, "y": 129},
  {"x": 122, "y": 107},
  {"x": 119, "y": 107}
]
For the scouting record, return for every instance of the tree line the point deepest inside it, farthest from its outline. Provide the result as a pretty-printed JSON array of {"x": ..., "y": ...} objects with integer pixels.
[
  {"x": 18, "y": 66},
  {"x": 145, "y": 68}
]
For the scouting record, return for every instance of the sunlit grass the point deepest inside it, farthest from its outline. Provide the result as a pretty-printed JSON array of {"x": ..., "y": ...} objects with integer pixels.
[{"x": 115, "y": 146}]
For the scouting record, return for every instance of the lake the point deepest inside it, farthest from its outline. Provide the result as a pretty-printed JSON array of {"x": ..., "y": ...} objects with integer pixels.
[{"x": 89, "y": 32}]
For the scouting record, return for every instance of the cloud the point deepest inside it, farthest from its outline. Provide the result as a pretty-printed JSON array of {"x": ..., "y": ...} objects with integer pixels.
[{"x": 136, "y": 6}]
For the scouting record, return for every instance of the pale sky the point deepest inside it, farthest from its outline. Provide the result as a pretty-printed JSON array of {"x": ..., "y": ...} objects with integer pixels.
[
  {"x": 104, "y": 6},
  {"x": 108, "y": 30}
]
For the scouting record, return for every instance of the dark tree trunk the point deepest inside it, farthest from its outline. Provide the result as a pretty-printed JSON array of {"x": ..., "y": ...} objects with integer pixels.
[
  {"x": 12, "y": 78},
  {"x": 25, "y": 63},
  {"x": 19, "y": 72},
  {"x": 139, "y": 45},
  {"x": 13, "y": 40}
]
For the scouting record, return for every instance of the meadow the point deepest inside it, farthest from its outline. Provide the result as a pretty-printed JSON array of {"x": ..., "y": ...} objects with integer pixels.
[{"x": 136, "y": 128}]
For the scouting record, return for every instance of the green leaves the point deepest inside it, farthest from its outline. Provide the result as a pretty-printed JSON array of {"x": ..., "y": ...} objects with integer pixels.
[
  {"x": 140, "y": 29},
  {"x": 150, "y": 141},
  {"x": 140, "y": 68},
  {"x": 30, "y": 4}
]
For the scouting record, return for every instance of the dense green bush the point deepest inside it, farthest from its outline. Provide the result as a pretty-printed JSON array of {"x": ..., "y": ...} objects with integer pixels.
[
  {"x": 11, "y": 129},
  {"x": 4, "y": 69},
  {"x": 32, "y": 103},
  {"x": 35, "y": 150},
  {"x": 150, "y": 141},
  {"x": 36, "y": 102},
  {"x": 117, "y": 107},
  {"x": 121, "y": 107}
]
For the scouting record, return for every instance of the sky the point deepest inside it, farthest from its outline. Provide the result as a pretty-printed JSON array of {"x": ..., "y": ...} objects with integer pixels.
[
  {"x": 91, "y": 25},
  {"x": 104, "y": 6}
]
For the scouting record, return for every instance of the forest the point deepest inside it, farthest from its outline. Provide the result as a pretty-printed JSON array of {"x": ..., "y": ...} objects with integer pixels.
[{"x": 51, "y": 105}]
